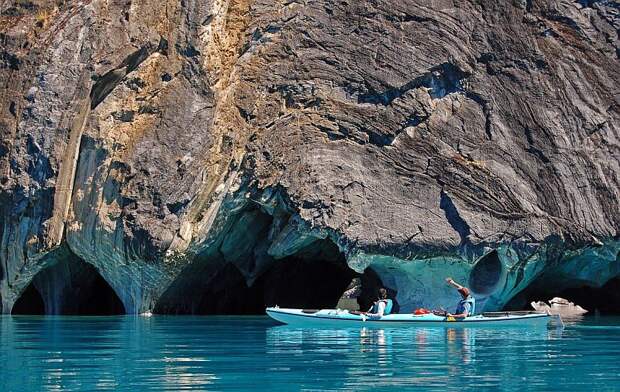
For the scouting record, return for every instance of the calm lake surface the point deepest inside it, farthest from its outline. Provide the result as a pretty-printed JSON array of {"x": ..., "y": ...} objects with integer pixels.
[{"x": 253, "y": 353}]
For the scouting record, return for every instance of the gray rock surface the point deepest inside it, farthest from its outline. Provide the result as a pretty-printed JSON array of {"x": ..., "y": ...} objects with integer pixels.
[{"x": 163, "y": 142}]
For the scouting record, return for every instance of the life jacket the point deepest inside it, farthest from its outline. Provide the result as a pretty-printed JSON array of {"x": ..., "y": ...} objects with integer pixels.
[
  {"x": 388, "y": 306},
  {"x": 472, "y": 302}
]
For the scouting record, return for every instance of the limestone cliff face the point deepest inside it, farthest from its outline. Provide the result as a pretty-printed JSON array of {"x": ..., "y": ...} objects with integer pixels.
[{"x": 201, "y": 149}]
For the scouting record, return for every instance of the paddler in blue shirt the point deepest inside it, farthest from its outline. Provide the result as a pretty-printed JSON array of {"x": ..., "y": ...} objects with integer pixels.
[{"x": 467, "y": 304}]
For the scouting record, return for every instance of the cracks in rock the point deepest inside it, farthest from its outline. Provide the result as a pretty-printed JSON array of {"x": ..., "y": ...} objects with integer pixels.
[
  {"x": 414, "y": 121},
  {"x": 39, "y": 167},
  {"x": 486, "y": 109},
  {"x": 417, "y": 233},
  {"x": 591, "y": 3},
  {"x": 531, "y": 149},
  {"x": 408, "y": 18},
  {"x": 441, "y": 80},
  {"x": 261, "y": 37},
  {"x": 454, "y": 219},
  {"x": 187, "y": 51},
  {"x": 428, "y": 173},
  {"x": 300, "y": 96},
  {"x": 379, "y": 139},
  {"x": 528, "y": 5},
  {"x": 9, "y": 60},
  {"x": 332, "y": 134},
  {"x": 106, "y": 83},
  {"x": 555, "y": 16}
]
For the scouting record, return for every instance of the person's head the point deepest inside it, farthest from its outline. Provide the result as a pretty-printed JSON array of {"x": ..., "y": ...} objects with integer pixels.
[
  {"x": 382, "y": 293},
  {"x": 464, "y": 292}
]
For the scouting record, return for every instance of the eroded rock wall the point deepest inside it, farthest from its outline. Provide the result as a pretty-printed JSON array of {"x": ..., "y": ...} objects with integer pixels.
[{"x": 162, "y": 142}]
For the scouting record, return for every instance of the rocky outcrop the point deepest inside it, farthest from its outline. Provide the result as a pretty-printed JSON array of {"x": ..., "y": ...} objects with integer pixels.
[{"x": 199, "y": 156}]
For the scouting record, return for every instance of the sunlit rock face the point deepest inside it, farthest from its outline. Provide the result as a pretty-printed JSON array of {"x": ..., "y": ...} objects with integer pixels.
[{"x": 220, "y": 156}]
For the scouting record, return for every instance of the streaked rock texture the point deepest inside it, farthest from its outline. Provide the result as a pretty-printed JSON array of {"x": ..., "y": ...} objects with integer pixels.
[{"x": 204, "y": 155}]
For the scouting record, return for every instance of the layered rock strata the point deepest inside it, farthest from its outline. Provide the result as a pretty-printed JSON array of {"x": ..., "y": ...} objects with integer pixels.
[{"x": 228, "y": 154}]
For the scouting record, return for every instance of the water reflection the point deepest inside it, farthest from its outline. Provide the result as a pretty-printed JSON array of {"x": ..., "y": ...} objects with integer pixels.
[
  {"x": 210, "y": 353},
  {"x": 86, "y": 353},
  {"x": 438, "y": 354},
  {"x": 372, "y": 339}
]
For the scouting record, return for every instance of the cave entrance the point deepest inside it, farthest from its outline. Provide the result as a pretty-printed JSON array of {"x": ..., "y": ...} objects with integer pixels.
[
  {"x": 603, "y": 300},
  {"x": 315, "y": 277},
  {"x": 69, "y": 287},
  {"x": 239, "y": 276},
  {"x": 30, "y": 302}
]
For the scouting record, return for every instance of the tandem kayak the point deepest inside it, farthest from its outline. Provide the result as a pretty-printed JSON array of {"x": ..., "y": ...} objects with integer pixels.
[{"x": 336, "y": 318}]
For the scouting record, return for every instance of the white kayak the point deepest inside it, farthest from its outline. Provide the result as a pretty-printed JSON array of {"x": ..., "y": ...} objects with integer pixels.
[{"x": 336, "y": 318}]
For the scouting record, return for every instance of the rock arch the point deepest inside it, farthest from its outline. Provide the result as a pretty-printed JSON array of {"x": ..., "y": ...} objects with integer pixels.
[
  {"x": 261, "y": 260},
  {"x": 69, "y": 286}
]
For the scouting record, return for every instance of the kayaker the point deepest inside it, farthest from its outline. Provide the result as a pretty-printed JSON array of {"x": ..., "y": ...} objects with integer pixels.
[
  {"x": 466, "y": 305},
  {"x": 381, "y": 307}
]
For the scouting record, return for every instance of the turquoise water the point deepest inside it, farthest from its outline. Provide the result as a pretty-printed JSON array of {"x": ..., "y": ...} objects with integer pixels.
[{"x": 252, "y": 353}]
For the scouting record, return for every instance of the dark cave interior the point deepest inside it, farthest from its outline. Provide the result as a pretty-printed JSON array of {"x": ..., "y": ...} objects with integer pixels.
[
  {"x": 486, "y": 273},
  {"x": 69, "y": 287},
  {"x": 603, "y": 300},
  {"x": 314, "y": 277}
]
